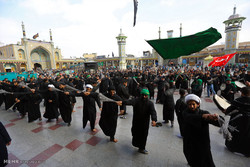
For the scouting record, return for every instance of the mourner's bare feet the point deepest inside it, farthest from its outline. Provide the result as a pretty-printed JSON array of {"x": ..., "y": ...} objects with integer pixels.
[
  {"x": 73, "y": 111},
  {"x": 114, "y": 140},
  {"x": 93, "y": 130}
]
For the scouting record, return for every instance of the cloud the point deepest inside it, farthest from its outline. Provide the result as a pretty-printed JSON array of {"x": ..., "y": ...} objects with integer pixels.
[
  {"x": 9, "y": 31},
  {"x": 84, "y": 12},
  {"x": 45, "y": 7},
  {"x": 90, "y": 26},
  {"x": 168, "y": 2}
]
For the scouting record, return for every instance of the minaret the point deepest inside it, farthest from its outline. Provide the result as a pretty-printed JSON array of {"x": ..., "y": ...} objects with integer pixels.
[
  {"x": 121, "y": 40},
  {"x": 159, "y": 32},
  {"x": 160, "y": 59},
  {"x": 50, "y": 34},
  {"x": 180, "y": 30},
  {"x": 179, "y": 59},
  {"x": 23, "y": 28},
  {"x": 52, "y": 58},
  {"x": 26, "y": 48},
  {"x": 232, "y": 30}
]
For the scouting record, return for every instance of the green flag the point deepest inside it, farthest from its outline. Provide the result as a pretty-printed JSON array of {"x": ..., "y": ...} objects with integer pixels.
[{"x": 173, "y": 48}]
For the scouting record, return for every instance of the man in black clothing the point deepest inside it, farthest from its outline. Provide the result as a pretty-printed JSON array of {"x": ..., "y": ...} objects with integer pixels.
[
  {"x": 89, "y": 106},
  {"x": 65, "y": 106},
  {"x": 105, "y": 84},
  {"x": 123, "y": 92},
  {"x": 160, "y": 84},
  {"x": 196, "y": 141},
  {"x": 51, "y": 104},
  {"x": 5, "y": 140},
  {"x": 230, "y": 90},
  {"x": 142, "y": 110},
  {"x": 241, "y": 120},
  {"x": 109, "y": 114},
  {"x": 179, "y": 108}
]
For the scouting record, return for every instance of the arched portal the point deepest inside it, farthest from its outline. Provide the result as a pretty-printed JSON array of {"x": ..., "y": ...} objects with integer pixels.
[
  {"x": 57, "y": 65},
  {"x": 9, "y": 67},
  {"x": 40, "y": 58},
  {"x": 21, "y": 54},
  {"x": 37, "y": 65},
  {"x": 23, "y": 67}
]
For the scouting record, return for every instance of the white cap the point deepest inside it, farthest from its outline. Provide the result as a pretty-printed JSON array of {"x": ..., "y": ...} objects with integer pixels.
[
  {"x": 89, "y": 86},
  {"x": 51, "y": 86},
  {"x": 192, "y": 97}
]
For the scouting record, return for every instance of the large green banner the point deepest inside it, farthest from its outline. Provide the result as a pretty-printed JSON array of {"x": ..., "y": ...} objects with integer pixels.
[{"x": 173, "y": 48}]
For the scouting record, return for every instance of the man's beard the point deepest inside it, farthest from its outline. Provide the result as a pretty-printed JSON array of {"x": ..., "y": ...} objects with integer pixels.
[{"x": 144, "y": 99}]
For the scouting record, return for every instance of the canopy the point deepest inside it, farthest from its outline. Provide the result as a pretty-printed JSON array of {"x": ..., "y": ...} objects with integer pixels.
[
  {"x": 173, "y": 48},
  {"x": 208, "y": 58}
]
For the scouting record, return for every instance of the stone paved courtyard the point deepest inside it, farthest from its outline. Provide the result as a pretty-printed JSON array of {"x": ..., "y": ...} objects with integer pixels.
[{"x": 57, "y": 145}]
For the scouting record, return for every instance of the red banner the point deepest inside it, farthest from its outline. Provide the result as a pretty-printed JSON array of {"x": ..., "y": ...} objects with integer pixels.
[{"x": 221, "y": 61}]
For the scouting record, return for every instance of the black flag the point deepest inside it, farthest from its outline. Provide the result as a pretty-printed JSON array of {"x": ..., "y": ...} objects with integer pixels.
[
  {"x": 135, "y": 10},
  {"x": 113, "y": 54},
  {"x": 35, "y": 36}
]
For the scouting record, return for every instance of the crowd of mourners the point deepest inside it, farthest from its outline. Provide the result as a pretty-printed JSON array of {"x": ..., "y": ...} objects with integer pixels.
[{"x": 112, "y": 90}]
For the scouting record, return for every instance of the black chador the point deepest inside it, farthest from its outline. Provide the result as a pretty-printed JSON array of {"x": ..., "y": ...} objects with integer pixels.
[{"x": 109, "y": 114}]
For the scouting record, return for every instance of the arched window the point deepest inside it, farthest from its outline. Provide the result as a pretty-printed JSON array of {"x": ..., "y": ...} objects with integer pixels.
[
  {"x": 56, "y": 56},
  {"x": 21, "y": 54}
]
